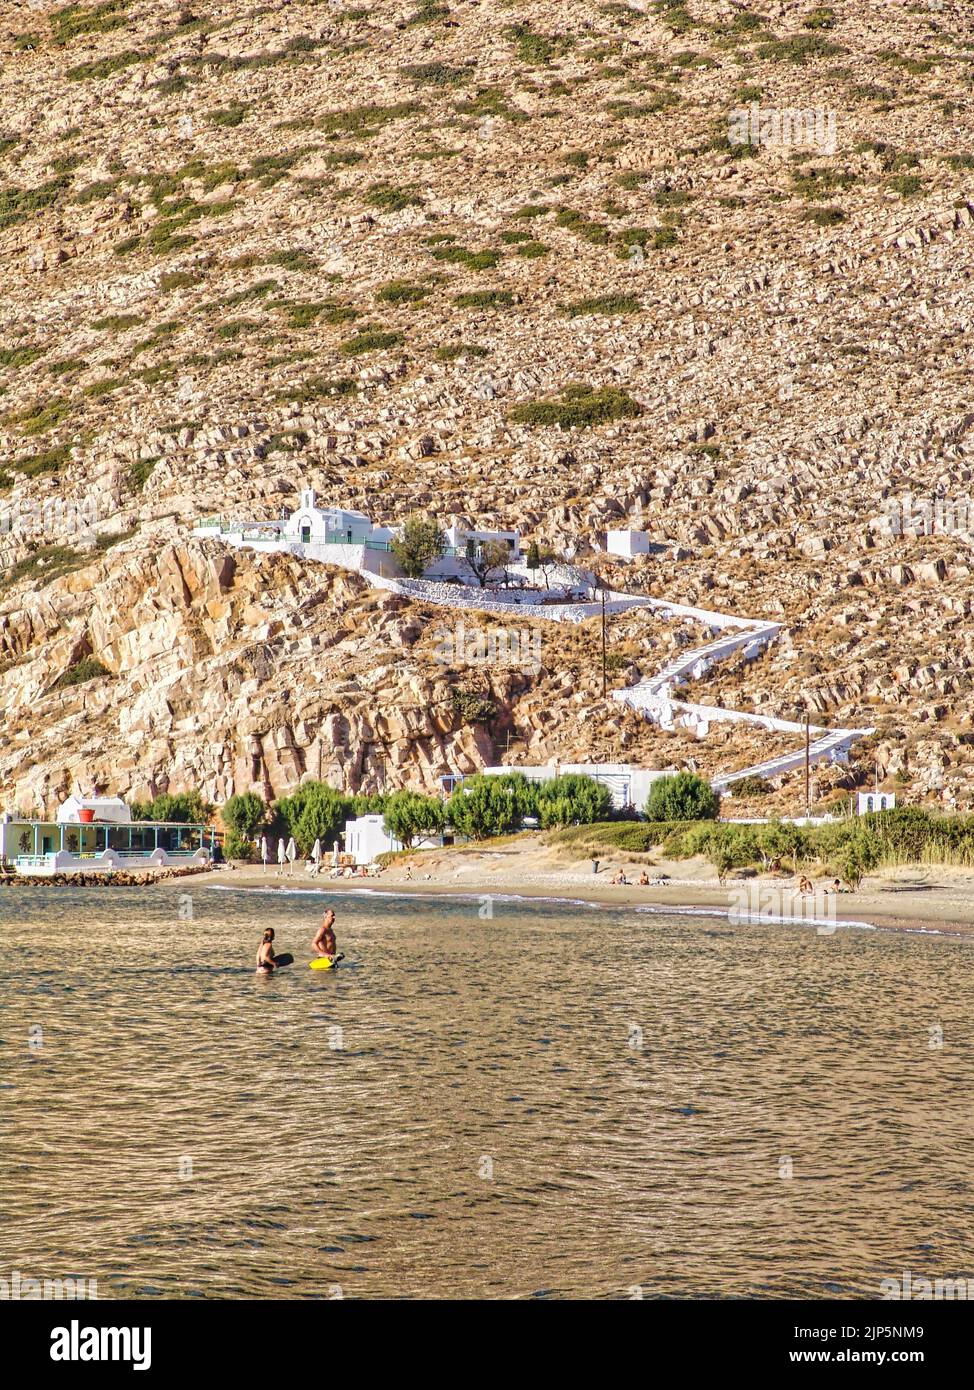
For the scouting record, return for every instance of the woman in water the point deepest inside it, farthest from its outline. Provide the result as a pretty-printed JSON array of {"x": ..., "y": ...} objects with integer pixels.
[{"x": 266, "y": 960}]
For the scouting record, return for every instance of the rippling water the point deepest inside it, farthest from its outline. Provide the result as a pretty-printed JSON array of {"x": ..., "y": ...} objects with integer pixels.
[{"x": 559, "y": 1101}]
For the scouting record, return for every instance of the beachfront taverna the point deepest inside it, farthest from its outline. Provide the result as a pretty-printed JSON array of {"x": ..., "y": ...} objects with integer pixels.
[
  {"x": 98, "y": 835},
  {"x": 351, "y": 539}
]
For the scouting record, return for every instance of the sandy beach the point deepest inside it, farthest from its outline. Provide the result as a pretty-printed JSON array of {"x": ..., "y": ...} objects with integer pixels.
[{"x": 909, "y": 898}]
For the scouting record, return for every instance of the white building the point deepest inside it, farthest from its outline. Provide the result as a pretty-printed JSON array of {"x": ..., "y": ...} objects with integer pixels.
[
  {"x": 628, "y": 785},
  {"x": 627, "y": 543},
  {"x": 867, "y": 802},
  {"x": 366, "y": 838},
  {"x": 340, "y": 536},
  {"x": 98, "y": 835},
  {"x": 333, "y": 534},
  {"x": 111, "y": 809},
  {"x": 467, "y": 544}
]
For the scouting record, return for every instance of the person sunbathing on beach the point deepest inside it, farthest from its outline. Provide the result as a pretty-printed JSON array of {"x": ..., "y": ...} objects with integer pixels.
[
  {"x": 644, "y": 879},
  {"x": 324, "y": 942}
]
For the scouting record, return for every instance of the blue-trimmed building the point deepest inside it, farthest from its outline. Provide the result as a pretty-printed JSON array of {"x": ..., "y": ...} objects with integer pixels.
[{"x": 98, "y": 835}]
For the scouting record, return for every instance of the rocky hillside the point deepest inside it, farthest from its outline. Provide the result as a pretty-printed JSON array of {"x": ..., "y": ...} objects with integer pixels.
[{"x": 497, "y": 260}]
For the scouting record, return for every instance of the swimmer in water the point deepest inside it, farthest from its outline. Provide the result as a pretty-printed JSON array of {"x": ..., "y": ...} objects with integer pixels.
[
  {"x": 266, "y": 961},
  {"x": 324, "y": 942}
]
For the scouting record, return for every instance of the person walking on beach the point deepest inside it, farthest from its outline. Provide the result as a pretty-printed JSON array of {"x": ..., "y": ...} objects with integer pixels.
[{"x": 324, "y": 942}]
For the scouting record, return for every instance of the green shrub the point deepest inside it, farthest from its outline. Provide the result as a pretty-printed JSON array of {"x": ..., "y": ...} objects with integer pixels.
[
  {"x": 369, "y": 340},
  {"x": 140, "y": 472},
  {"x": 231, "y": 115},
  {"x": 483, "y": 299},
  {"x": 105, "y": 67},
  {"x": 20, "y": 356},
  {"x": 449, "y": 352},
  {"x": 401, "y": 292},
  {"x": 824, "y": 217},
  {"x": 603, "y": 304},
  {"x": 387, "y": 198},
  {"x": 87, "y": 669},
  {"x": 751, "y": 786},
  {"x": 471, "y": 707},
  {"x": 71, "y": 20},
  {"x": 18, "y": 204},
  {"x": 822, "y": 17},
  {"x": 580, "y": 406},
  {"x": 236, "y": 847},
  {"x": 532, "y": 250},
  {"x": 798, "y": 49},
  {"x": 682, "y": 797}
]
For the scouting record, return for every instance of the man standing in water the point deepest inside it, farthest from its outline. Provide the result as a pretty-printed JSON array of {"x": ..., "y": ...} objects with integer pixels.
[{"x": 324, "y": 942}]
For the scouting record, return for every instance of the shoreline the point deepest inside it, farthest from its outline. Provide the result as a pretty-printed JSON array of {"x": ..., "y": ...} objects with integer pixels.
[{"x": 920, "y": 909}]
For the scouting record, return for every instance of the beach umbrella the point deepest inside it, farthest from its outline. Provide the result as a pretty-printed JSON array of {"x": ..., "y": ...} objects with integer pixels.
[
  {"x": 292, "y": 850},
  {"x": 316, "y": 852},
  {"x": 263, "y": 848},
  {"x": 280, "y": 851}
]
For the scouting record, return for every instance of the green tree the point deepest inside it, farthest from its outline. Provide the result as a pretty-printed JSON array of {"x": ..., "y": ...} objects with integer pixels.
[
  {"x": 484, "y": 806},
  {"x": 181, "y": 808},
  {"x": 533, "y": 560},
  {"x": 409, "y": 816},
  {"x": 420, "y": 543},
  {"x": 776, "y": 840},
  {"x": 315, "y": 811},
  {"x": 491, "y": 557},
  {"x": 244, "y": 814},
  {"x": 684, "y": 796},
  {"x": 573, "y": 799}
]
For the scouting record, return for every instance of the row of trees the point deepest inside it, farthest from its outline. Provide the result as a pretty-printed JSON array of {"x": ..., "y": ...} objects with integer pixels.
[
  {"x": 314, "y": 811},
  {"x": 481, "y": 807}
]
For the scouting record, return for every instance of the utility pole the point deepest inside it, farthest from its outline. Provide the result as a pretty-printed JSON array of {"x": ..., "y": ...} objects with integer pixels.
[
  {"x": 603, "y": 645},
  {"x": 808, "y": 780}
]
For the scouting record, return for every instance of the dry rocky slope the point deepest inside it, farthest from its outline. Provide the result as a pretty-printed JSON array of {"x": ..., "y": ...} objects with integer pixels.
[{"x": 247, "y": 248}]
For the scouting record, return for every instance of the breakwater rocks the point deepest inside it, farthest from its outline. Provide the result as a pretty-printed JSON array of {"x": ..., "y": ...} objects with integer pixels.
[{"x": 121, "y": 878}]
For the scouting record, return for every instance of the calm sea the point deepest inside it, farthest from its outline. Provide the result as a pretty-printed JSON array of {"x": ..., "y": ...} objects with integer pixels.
[{"x": 557, "y": 1101}]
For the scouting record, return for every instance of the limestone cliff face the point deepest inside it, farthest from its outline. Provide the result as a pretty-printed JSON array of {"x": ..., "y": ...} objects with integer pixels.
[
  {"x": 225, "y": 673},
  {"x": 250, "y": 248}
]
